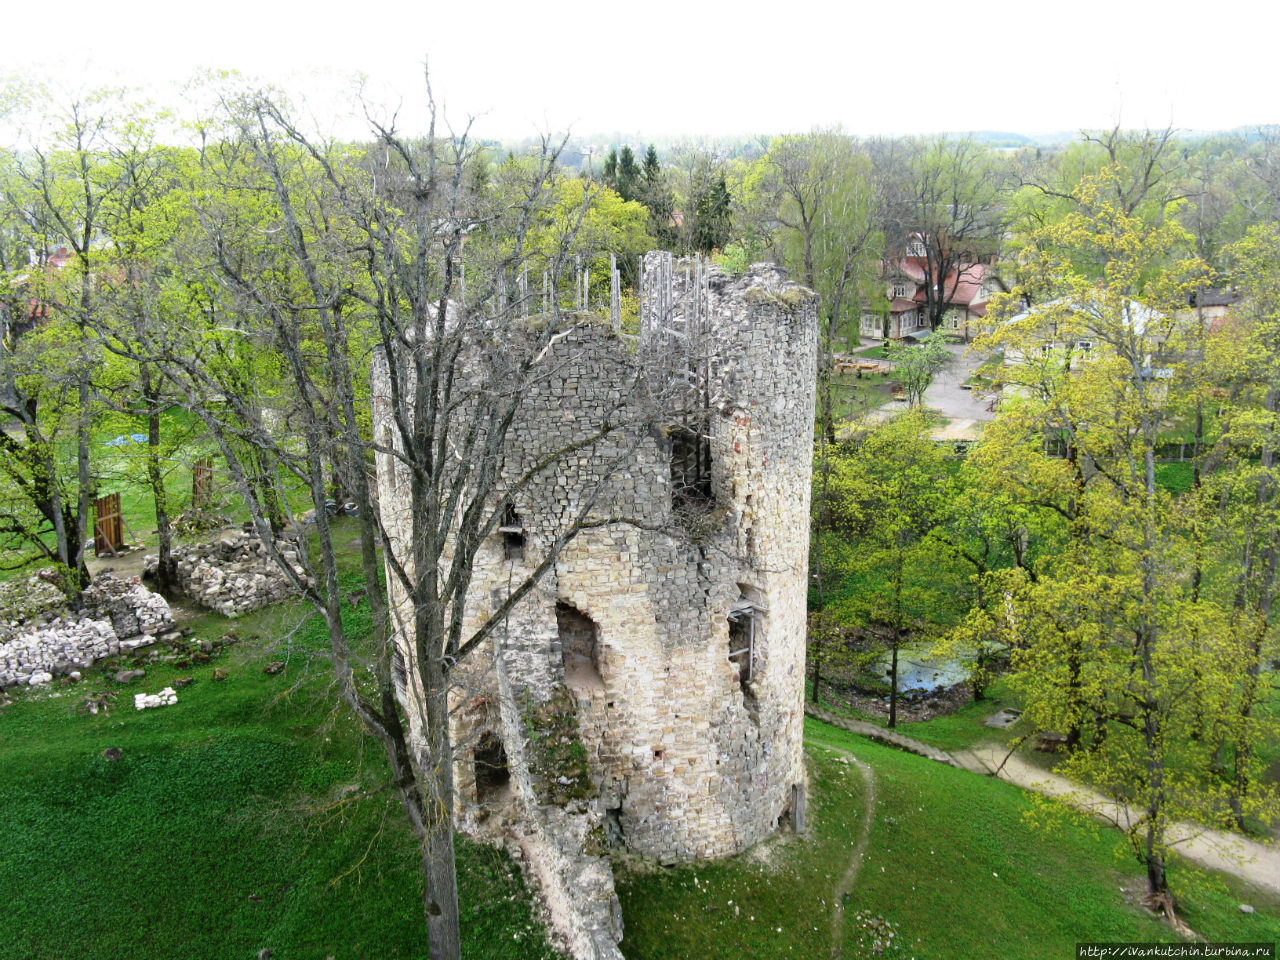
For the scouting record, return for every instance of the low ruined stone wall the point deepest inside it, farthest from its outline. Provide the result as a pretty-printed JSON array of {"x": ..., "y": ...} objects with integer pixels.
[
  {"x": 233, "y": 574},
  {"x": 118, "y": 616}
]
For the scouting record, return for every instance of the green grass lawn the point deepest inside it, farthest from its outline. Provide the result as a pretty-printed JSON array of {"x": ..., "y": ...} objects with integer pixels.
[
  {"x": 853, "y": 396},
  {"x": 1176, "y": 477},
  {"x": 252, "y": 814},
  {"x": 951, "y": 862},
  {"x": 876, "y": 352}
]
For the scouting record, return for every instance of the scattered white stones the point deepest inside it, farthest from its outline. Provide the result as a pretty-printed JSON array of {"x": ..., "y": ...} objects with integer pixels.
[{"x": 144, "y": 701}]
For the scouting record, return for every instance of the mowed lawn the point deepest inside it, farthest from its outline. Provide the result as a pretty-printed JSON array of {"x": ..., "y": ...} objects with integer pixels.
[
  {"x": 250, "y": 815},
  {"x": 953, "y": 865},
  {"x": 253, "y": 815}
]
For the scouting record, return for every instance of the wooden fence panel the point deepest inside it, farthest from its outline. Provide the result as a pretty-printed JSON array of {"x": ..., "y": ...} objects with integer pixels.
[
  {"x": 108, "y": 525},
  {"x": 202, "y": 483}
]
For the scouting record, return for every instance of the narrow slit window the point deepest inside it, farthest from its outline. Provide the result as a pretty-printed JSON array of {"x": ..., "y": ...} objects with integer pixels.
[
  {"x": 690, "y": 469},
  {"x": 512, "y": 531},
  {"x": 746, "y": 631},
  {"x": 742, "y": 641}
]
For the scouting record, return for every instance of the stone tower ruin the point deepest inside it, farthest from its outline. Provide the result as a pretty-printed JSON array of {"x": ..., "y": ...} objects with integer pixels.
[{"x": 674, "y": 631}]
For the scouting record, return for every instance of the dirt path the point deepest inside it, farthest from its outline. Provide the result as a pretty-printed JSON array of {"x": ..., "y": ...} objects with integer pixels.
[
  {"x": 850, "y": 877},
  {"x": 1216, "y": 849}
]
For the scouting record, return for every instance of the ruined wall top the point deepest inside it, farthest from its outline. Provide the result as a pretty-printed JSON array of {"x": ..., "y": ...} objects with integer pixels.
[{"x": 680, "y": 297}]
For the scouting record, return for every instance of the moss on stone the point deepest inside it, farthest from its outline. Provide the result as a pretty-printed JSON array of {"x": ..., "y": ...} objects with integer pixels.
[{"x": 557, "y": 758}]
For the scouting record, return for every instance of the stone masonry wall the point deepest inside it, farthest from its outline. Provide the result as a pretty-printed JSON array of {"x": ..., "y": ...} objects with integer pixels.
[
  {"x": 232, "y": 574},
  {"x": 42, "y": 640},
  {"x": 685, "y": 759}
]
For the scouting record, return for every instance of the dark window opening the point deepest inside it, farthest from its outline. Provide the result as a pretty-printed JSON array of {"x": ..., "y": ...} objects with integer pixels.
[
  {"x": 512, "y": 531},
  {"x": 742, "y": 644},
  {"x": 690, "y": 469},
  {"x": 745, "y": 633},
  {"x": 493, "y": 779},
  {"x": 579, "y": 647}
]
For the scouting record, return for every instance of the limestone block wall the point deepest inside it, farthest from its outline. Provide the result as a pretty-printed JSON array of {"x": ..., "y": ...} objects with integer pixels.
[{"x": 690, "y": 755}]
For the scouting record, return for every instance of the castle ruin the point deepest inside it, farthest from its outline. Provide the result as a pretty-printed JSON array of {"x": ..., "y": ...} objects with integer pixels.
[{"x": 672, "y": 632}]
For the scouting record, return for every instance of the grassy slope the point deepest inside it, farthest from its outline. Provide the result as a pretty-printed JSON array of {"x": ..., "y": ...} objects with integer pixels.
[
  {"x": 230, "y": 824},
  {"x": 951, "y": 862}
]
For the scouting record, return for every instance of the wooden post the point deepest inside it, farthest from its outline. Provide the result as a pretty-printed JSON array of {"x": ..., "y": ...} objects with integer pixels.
[{"x": 201, "y": 482}]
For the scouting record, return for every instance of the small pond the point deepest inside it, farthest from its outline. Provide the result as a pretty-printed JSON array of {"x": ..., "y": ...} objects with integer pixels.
[{"x": 919, "y": 670}]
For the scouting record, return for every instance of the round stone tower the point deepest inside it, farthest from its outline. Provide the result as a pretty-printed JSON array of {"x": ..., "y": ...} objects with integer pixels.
[{"x": 673, "y": 625}]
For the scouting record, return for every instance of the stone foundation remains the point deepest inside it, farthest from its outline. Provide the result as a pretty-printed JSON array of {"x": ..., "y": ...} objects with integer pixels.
[
  {"x": 118, "y": 616},
  {"x": 232, "y": 574},
  {"x": 676, "y": 628}
]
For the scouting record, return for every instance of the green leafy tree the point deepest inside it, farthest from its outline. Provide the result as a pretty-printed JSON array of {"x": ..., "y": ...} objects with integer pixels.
[
  {"x": 887, "y": 493},
  {"x": 1241, "y": 494},
  {"x": 656, "y": 195},
  {"x": 818, "y": 188},
  {"x": 54, "y": 191},
  {"x": 1114, "y": 642},
  {"x": 915, "y": 365},
  {"x": 629, "y": 184},
  {"x": 712, "y": 216}
]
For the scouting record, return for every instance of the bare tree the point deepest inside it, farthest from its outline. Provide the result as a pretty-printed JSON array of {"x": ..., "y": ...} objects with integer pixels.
[
  {"x": 391, "y": 249},
  {"x": 941, "y": 212}
]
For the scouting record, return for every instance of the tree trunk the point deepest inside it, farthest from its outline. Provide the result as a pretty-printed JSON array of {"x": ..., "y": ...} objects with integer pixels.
[
  {"x": 440, "y": 896},
  {"x": 1157, "y": 882},
  {"x": 261, "y": 481},
  {"x": 893, "y": 682},
  {"x": 166, "y": 568}
]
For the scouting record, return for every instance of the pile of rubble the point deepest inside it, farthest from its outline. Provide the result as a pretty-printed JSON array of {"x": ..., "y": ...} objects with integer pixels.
[
  {"x": 234, "y": 573},
  {"x": 52, "y": 641}
]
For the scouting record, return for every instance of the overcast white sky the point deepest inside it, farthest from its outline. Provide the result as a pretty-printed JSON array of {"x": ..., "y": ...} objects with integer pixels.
[{"x": 692, "y": 68}]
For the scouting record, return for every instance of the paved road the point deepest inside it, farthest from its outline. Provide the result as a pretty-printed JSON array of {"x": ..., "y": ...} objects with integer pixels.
[{"x": 967, "y": 409}]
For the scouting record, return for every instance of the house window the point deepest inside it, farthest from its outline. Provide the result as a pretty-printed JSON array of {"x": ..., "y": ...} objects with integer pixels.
[
  {"x": 916, "y": 248},
  {"x": 899, "y": 290},
  {"x": 1084, "y": 346},
  {"x": 953, "y": 323},
  {"x": 1046, "y": 349}
]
